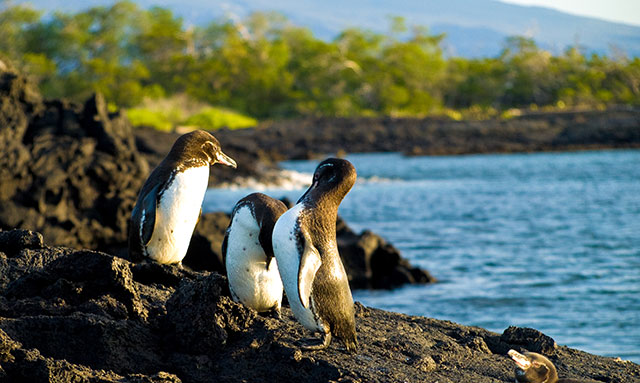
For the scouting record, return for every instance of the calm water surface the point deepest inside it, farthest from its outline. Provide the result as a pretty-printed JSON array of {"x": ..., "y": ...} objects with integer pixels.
[{"x": 547, "y": 240}]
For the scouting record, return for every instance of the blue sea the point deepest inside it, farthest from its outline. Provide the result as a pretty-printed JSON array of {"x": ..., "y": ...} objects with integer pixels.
[{"x": 545, "y": 240}]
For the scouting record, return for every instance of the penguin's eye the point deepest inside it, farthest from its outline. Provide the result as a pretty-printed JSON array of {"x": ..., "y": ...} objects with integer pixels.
[{"x": 209, "y": 147}]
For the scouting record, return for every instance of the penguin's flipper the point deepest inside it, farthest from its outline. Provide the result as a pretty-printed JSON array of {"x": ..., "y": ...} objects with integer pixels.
[
  {"x": 310, "y": 262},
  {"x": 149, "y": 205}
]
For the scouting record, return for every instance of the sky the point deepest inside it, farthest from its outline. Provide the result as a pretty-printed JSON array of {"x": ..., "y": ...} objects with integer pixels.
[{"x": 622, "y": 11}]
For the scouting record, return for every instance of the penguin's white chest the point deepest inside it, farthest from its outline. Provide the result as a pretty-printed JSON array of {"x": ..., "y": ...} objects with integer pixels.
[
  {"x": 285, "y": 248},
  {"x": 249, "y": 279},
  {"x": 177, "y": 214}
]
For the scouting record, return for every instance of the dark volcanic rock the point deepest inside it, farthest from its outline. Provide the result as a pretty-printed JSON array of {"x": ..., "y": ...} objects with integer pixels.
[
  {"x": 70, "y": 172},
  {"x": 306, "y": 138},
  {"x": 13, "y": 241},
  {"x": 83, "y": 277},
  {"x": 205, "y": 248},
  {"x": 18, "y": 364},
  {"x": 68, "y": 318},
  {"x": 529, "y": 339},
  {"x": 201, "y": 316},
  {"x": 371, "y": 262}
]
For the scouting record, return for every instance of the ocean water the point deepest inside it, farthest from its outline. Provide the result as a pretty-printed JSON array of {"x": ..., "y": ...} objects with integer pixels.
[{"x": 545, "y": 240}]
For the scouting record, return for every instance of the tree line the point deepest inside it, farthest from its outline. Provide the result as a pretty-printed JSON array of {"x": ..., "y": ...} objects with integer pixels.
[{"x": 266, "y": 67}]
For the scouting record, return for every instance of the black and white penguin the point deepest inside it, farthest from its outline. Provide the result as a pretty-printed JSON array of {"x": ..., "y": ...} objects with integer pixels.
[
  {"x": 170, "y": 201},
  {"x": 532, "y": 367},
  {"x": 252, "y": 271},
  {"x": 304, "y": 244}
]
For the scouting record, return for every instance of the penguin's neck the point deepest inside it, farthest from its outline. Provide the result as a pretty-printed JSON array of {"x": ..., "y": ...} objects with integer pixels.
[
  {"x": 322, "y": 210},
  {"x": 324, "y": 202}
]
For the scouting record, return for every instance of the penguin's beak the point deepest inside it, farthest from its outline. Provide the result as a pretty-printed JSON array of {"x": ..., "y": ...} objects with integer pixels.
[
  {"x": 521, "y": 361},
  {"x": 225, "y": 159}
]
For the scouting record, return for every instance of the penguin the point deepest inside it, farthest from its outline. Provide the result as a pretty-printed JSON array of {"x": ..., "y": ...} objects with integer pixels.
[
  {"x": 252, "y": 271},
  {"x": 305, "y": 247},
  {"x": 170, "y": 201},
  {"x": 535, "y": 368}
]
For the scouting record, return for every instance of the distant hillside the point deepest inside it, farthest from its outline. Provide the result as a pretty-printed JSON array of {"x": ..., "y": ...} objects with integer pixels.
[{"x": 473, "y": 27}]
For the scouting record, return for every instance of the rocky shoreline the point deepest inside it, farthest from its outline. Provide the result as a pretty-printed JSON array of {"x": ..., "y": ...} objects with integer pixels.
[
  {"x": 86, "y": 316},
  {"x": 259, "y": 149},
  {"x": 71, "y": 173}
]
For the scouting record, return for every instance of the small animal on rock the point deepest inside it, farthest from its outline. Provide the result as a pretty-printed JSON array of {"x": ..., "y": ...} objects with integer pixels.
[
  {"x": 304, "y": 244},
  {"x": 532, "y": 367},
  {"x": 170, "y": 201},
  {"x": 252, "y": 270}
]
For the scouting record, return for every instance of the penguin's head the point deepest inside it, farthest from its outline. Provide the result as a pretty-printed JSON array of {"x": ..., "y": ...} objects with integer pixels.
[
  {"x": 532, "y": 367},
  {"x": 200, "y": 147},
  {"x": 333, "y": 177}
]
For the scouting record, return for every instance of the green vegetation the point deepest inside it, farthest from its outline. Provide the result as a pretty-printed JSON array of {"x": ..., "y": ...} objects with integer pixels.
[
  {"x": 182, "y": 111},
  {"x": 154, "y": 118},
  {"x": 214, "y": 118},
  {"x": 265, "y": 67}
]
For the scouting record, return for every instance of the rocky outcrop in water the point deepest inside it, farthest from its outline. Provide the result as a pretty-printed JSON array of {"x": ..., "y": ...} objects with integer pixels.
[
  {"x": 85, "y": 316},
  {"x": 371, "y": 262}
]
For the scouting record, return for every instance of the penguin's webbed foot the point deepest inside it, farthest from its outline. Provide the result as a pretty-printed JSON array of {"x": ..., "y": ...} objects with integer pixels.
[
  {"x": 315, "y": 346},
  {"x": 272, "y": 313},
  {"x": 276, "y": 313}
]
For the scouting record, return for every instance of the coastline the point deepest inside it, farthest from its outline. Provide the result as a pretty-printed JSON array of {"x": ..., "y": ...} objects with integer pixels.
[
  {"x": 261, "y": 148},
  {"x": 72, "y": 172},
  {"x": 83, "y": 315}
]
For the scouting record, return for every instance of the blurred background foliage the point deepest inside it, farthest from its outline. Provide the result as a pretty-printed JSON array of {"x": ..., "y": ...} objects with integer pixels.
[{"x": 231, "y": 72}]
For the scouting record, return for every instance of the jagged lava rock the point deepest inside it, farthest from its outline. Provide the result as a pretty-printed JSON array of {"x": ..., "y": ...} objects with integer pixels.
[
  {"x": 529, "y": 339},
  {"x": 68, "y": 171},
  {"x": 205, "y": 248}
]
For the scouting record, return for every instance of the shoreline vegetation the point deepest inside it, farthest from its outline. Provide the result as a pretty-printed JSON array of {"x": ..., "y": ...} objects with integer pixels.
[{"x": 83, "y": 312}]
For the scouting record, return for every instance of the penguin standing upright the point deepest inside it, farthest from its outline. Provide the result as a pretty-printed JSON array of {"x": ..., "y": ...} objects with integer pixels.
[
  {"x": 170, "y": 201},
  {"x": 252, "y": 272},
  {"x": 304, "y": 244}
]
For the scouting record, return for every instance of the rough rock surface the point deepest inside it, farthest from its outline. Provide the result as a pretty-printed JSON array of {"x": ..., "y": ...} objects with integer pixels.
[
  {"x": 70, "y": 172},
  {"x": 84, "y": 316}
]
